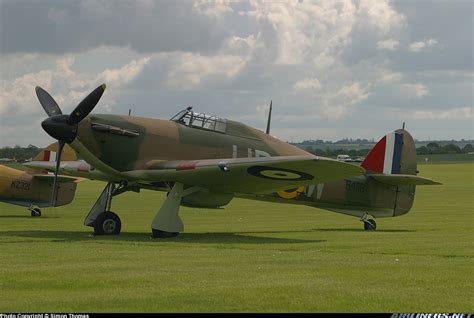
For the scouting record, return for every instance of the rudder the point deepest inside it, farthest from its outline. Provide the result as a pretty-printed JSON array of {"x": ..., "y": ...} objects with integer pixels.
[
  {"x": 394, "y": 153},
  {"x": 49, "y": 153}
]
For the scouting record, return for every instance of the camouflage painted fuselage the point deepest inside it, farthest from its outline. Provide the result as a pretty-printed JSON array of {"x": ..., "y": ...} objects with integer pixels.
[
  {"x": 157, "y": 140},
  {"x": 354, "y": 196},
  {"x": 358, "y": 195},
  {"x": 117, "y": 144},
  {"x": 21, "y": 188}
]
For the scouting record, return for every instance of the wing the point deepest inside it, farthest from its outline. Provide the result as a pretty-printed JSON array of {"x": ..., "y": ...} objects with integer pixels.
[
  {"x": 61, "y": 179},
  {"x": 248, "y": 175}
]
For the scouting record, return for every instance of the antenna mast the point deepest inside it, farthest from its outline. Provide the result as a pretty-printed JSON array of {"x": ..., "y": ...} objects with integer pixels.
[{"x": 269, "y": 118}]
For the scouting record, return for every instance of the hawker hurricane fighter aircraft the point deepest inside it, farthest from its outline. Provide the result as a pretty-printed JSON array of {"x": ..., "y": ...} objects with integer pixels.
[
  {"x": 205, "y": 161},
  {"x": 33, "y": 189}
]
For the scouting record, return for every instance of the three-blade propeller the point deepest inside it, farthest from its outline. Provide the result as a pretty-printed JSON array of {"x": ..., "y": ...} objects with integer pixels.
[{"x": 63, "y": 128}]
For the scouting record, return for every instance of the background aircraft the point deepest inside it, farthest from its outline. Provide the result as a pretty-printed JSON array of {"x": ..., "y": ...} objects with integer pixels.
[
  {"x": 204, "y": 161},
  {"x": 33, "y": 189}
]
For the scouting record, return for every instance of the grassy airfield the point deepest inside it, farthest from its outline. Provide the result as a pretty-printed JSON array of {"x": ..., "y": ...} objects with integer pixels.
[{"x": 250, "y": 256}]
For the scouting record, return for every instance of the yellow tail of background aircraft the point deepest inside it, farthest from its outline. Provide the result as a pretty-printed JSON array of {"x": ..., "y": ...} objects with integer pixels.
[{"x": 32, "y": 188}]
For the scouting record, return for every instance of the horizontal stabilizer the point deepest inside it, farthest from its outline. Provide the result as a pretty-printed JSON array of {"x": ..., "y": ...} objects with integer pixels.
[
  {"x": 79, "y": 169},
  {"x": 402, "y": 179},
  {"x": 61, "y": 179}
]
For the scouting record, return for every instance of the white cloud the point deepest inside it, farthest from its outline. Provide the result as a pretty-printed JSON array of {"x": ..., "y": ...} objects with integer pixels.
[
  {"x": 417, "y": 90},
  {"x": 453, "y": 113},
  {"x": 318, "y": 31},
  {"x": 125, "y": 74},
  {"x": 391, "y": 77},
  {"x": 324, "y": 61},
  {"x": 308, "y": 85},
  {"x": 354, "y": 93},
  {"x": 304, "y": 30},
  {"x": 381, "y": 15},
  {"x": 422, "y": 45},
  {"x": 213, "y": 8},
  {"x": 389, "y": 44},
  {"x": 240, "y": 45},
  {"x": 243, "y": 53},
  {"x": 339, "y": 104},
  {"x": 67, "y": 86},
  {"x": 191, "y": 69},
  {"x": 17, "y": 96}
]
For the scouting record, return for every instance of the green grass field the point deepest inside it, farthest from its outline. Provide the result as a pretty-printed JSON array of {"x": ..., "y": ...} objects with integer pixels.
[
  {"x": 445, "y": 158},
  {"x": 249, "y": 257}
]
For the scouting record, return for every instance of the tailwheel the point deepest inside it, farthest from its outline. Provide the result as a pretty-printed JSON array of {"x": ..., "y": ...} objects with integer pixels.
[
  {"x": 107, "y": 223},
  {"x": 35, "y": 212},
  {"x": 162, "y": 234},
  {"x": 370, "y": 225}
]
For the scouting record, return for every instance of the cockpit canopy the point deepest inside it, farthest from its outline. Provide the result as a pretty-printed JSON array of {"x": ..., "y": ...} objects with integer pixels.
[{"x": 198, "y": 120}]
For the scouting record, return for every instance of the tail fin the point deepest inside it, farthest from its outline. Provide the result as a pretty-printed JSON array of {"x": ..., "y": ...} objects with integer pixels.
[
  {"x": 49, "y": 153},
  {"x": 392, "y": 162},
  {"x": 395, "y": 153}
]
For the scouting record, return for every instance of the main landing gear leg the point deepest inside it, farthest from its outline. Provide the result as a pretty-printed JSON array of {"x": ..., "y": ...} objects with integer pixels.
[
  {"x": 167, "y": 222},
  {"x": 369, "y": 224},
  {"x": 104, "y": 221}
]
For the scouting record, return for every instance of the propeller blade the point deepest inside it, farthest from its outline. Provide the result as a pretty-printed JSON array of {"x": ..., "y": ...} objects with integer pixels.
[
  {"x": 54, "y": 197},
  {"x": 49, "y": 104},
  {"x": 86, "y": 105}
]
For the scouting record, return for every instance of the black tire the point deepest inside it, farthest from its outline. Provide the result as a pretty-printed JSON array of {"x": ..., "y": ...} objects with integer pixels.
[
  {"x": 162, "y": 234},
  {"x": 35, "y": 212},
  {"x": 107, "y": 223},
  {"x": 370, "y": 225}
]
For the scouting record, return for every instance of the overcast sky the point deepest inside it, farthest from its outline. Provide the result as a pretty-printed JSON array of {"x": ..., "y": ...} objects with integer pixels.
[{"x": 333, "y": 69}]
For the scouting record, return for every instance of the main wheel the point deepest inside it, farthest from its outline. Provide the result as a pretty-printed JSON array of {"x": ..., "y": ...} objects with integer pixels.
[
  {"x": 35, "y": 212},
  {"x": 107, "y": 223},
  {"x": 370, "y": 225},
  {"x": 162, "y": 234}
]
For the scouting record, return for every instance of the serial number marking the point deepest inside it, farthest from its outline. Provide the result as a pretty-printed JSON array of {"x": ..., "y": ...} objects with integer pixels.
[
  {"x": 20, "y": 185},
  {"x": 354, "y": 186}
]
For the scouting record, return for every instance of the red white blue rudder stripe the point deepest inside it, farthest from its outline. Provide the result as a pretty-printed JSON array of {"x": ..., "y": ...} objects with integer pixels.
[
  {"x": 386, "y": 155},
  {"x": 49, "y": 155}
]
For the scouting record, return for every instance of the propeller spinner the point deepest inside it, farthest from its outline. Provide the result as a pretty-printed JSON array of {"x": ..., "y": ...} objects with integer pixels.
[{"x": 63, "y": 128}]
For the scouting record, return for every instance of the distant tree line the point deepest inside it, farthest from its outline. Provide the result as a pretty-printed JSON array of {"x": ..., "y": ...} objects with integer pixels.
[
  {"x": 431, "y": 148},
  {"x": 435, "y": 148},
  {"x": 328, "y": 152},
  {"x": 19, "y": 153},
  {"x": 357, "y": 141}
]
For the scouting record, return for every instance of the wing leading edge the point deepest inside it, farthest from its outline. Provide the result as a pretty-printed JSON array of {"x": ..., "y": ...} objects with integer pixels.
[{"x": 248, "y": 175}]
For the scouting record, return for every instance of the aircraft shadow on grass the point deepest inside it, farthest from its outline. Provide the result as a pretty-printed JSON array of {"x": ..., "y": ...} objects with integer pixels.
[
  {"x": 199, "y": 238},
  {"x": 26, "y": 217},
  {"x": 361, "y": 231}
]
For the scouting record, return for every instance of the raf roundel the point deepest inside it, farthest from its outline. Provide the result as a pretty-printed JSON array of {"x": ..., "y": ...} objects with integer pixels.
[{"x": 278, "y": 173}]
